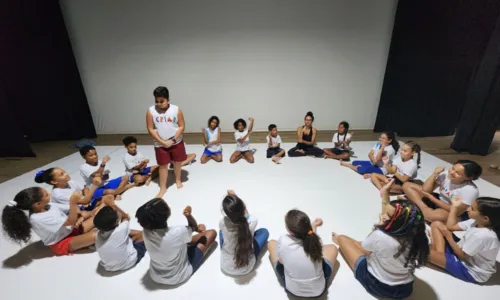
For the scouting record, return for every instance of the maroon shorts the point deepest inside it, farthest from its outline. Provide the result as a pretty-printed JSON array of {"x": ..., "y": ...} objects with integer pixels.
[{"x": 176, "y": 153}]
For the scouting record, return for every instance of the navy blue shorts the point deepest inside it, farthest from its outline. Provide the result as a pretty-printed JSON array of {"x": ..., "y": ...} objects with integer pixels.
[
  {"x": 273, "y": 151},
  {"x": 141, "y": 250},
  {"x": 144, "y": 171},
  {"x": 379, "y": 289},
  {"x": 455, "y": 267},
  {"x": 338, "y": 151},
  {"x": 113, "y": 184},
  {"x": 280, "y": 269},
  {"x": 195, "y": 257},
  {"x": 210, "y": 153}
]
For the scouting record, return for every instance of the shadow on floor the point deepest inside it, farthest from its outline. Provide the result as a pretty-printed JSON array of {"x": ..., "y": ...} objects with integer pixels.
[
  {"x": 422, "y": 290},
  {"x": 247, "y": 278},
  {"x": 26, "y": 255},
  {"x": 171, "y": 177},
  {"x": 495, "y": 279},
  {"x": 151, "y": 285}
]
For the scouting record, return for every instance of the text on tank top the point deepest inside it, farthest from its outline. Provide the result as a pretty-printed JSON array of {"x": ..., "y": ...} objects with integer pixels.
[{"x": 166, "y": 123}]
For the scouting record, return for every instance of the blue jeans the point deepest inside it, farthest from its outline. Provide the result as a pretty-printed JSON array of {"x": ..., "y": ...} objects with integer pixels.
[
  {"x": 366, "y": 167},
  {"x": 379, "y": 289},
  {"x": 259, "y": 240}
]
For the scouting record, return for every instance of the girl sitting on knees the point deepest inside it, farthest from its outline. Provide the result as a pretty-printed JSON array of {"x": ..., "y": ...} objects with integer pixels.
[
  {"x": 306, "y": 139},
  {"x": 302, "y": 263},
  {"x": 385, "y": 149},
  {"x": 212, "y": 141},
  {"x": 385, "y": 261},
  {"x": 473, "y": 257},
  {"x": 61, "y": 232},
  {"x": 341, "y": 140},
  {"x": 402, "y": 169},
  {"x": 457, "y": 181},
  {"x": 175, "y": 253},
  {"x": 242, "y": 137},
  {"x": 240, "y": 244},
  {"x": 64, "y": 187}
]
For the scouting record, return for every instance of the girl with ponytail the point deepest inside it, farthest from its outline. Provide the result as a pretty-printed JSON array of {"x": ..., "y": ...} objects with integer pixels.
[
  {"x": 299, "y": 258},
  {"x": 383, "y": 151},
  {"x": 385, "y": 261},
  {"x": 57, "y": 230},
  {"x": 472, "y": 258},
  {"x": 403, "y": 169},
  {"x": 240, "y": 243}
]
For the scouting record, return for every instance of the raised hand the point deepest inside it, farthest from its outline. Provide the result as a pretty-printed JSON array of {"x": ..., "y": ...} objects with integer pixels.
[
  {"x": 438, "y": 170},
  {"x": 75, "y": 197},
  {"x": 317, "y": 222},
  {"x": 105, "y": 159},
  {"x": 231, "y": 193},
  {"x": 456, "y": 201},
  {"x": 187, "y": 211}
]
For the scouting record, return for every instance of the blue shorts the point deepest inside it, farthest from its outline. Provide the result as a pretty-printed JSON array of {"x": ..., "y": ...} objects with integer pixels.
[
  {"x": 210, "y": 153},
  {"x": 195, "y": 257},
  {"x": 273, "y": 151},
  {"x": 141, "y": 250},
  {"x": 144, "y": 171},
  {"x": 379, "y": 289},
  {"x": 113, "y": 184},
  {"x": 366, "y": 167},
  {"x": 455, "y": 267},
  {"x": 327, "y": 271}
]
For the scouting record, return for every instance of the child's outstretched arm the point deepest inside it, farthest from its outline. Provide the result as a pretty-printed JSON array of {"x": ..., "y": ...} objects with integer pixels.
[
  {"x": 387, "y": 208},
  {"x": 191, "y": 221},
  {"x": 250, "y": 127}
]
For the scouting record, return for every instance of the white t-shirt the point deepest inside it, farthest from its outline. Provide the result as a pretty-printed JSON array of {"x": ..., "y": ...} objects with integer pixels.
[
  {"x": 275, "y": 141},
  {"x": 131, "y": 161},
  {"x": 62, "y": 196},
  {"x": 408, "y": 167},
  {"x": 168, "y": 252},
  {"x": 229, "y": 231},
  {"x": 341, "y": 138},
  {"x": 166, "y": 123},
  {"x": 115, "y": 248},
  {"x": 381, "y": 262},
  {"x": 303, "y": 277},
  {"x": 468, "y": 191},
  {"x": 390, "y": 152},
  {"x": 245, "y": 146},
  {"x": 49, "y": 225},
  {"x": 212, "y": 137},
  {"x": 482, "y": 246},
  {"x": 87, "y": 170}
]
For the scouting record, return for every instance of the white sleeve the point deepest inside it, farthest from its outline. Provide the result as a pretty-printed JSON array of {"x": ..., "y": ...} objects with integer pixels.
[
  {"x": 465, "y": 225},
  {"x": 252, "y": 223},
  {"x": 185, "y": 234},
  {"x": 62, "y": 195},
  {"x": 129, "y": 164},
  {"x": 371, "y": 241},
  {"x": 334, "y": 138},
  {"x": 64, "y": 207},
  {"x": 475, "y": 244},
  {"x": 468, "y": 194},
  {"x": 236, "y": 135},
  {"x": 85, "y": 172},
  {"x": 348, "y": 137},
  {"x": 278, "y": 139},
  {"x": 390, "y": 152},
  {"x": 123, "y": 230},
  {"x": 77, "y": 186},
  {"x": 441, "y": 177},
  {"x": 410, "y": 168},
  {"x": 278, "y": 246}
]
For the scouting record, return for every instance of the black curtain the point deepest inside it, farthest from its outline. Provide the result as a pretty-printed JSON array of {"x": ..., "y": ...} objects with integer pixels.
[
  {"x": 481, "y": 114},
  {"x": 436, "y": 48},
  {"x": 39, "y": 75}
]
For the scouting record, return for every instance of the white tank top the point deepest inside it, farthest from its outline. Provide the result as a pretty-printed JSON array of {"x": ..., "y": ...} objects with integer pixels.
[
  {"x": 166, "y": 123},
  {"x": 212, "y": 136}
]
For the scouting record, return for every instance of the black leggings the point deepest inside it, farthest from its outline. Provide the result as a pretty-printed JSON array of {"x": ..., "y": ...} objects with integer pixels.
[{"x": 310, "y": 151}]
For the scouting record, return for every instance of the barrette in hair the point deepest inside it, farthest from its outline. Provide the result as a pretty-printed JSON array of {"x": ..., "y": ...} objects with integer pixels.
[
  {"x": 12, "y": 203},
  {"x": 310, "y": 232},
  {"x": 39, "y": 173},
  {"x": 405, "y": 224},
  {"x": 399, "y": 208}
]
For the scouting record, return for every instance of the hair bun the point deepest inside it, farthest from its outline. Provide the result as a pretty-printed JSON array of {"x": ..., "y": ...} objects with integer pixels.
[
  {"x": 39, "y": 176},
  {"x": 309, "y": 113}
]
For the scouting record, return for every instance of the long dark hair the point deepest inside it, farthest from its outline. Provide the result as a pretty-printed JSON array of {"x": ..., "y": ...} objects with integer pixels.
[
  {"x": 346, "y": 126},
  {"x": 153, "y": 214},
  {"x": 299, "y": 225},
  {"x": 45, "y": 176},
  {"x": 235, "y": 209},
  {"x": 472, "y": 169},
  {"x": 490, "y": 207},
  {"x": 407, "y": 225},
  {"x": 415, "y": 148},
  {"x": 14, "y": 220},
  {"x": 394, "y": 143}
]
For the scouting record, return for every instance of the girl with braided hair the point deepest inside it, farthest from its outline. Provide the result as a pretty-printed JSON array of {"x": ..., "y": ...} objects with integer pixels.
[
  {"x": 303, "y": 264},
  {"x": 385, "y": 261},
  {"x": 403, "y": 169},
  {"x": 240, "y": 243}
]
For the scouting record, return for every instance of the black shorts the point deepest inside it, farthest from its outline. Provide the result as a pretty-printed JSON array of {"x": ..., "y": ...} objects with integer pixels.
[
  {"x": 338, "y": 151},
  {"x": 272, "y": 152}
]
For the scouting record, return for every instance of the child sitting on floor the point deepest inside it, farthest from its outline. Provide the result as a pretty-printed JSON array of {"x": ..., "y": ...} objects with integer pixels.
[
  {"x": 242, "y": 137},
  {"x": 341, "y": 140},
  {"x": 472, "y": 258},
  {"x": 273, "y": 144},
  {"x": 240, "y": 243},
  {"x": 119, "y": 247},
  {"x": 136, "y": 164},
  {"x": 95, "y": 168},
  {"x": 212, "y": 141}
]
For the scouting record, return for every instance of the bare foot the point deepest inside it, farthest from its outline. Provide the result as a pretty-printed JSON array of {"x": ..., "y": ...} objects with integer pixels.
[
  {"x": 148, "y": 181},
  {"x": 367, "y": 176},
  {"x": 343, "y": 164},
  {"x": 118, "y": 197},
  {"x": 161, "y": 194},
  {"x": 335, "y": 238},
  {"x": 179, "y": 185}
]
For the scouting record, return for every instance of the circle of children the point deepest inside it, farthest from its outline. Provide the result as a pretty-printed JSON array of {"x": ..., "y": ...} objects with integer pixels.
[{"x": 75, "y": 216}]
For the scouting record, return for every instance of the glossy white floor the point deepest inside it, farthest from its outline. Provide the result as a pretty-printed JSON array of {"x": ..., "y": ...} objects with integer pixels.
[{"x": 347, "y": 203}]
